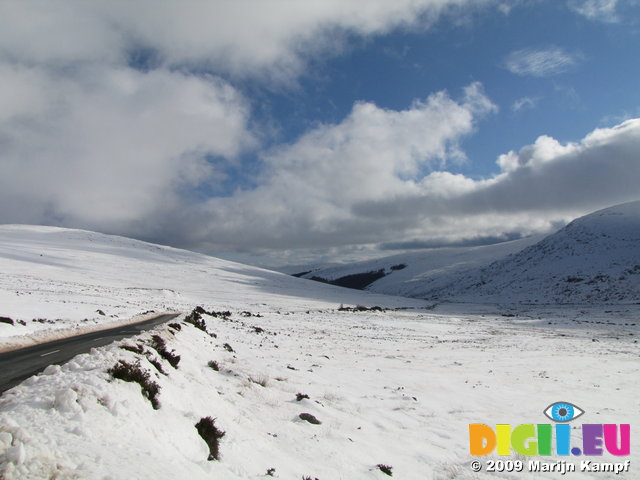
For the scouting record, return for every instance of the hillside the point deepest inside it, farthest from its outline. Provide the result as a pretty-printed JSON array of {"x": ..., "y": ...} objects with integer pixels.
[
  {"x": 409, "y": 274},
  {"x": 61, "y": 281},
  {"x": 594, "y": 260}
]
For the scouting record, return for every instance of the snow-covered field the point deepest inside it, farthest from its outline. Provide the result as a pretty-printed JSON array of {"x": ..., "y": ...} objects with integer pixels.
[{"x": 396, "y": 387}]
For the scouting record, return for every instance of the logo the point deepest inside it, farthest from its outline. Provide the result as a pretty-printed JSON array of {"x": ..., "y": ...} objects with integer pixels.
[{"x": 549, "y": 439}]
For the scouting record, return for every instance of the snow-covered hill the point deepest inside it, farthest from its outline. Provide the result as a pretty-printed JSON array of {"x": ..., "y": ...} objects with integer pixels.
[
  {"x": 58, "y": 281},
  {"x": 595, "y": 260},
  {"x": 407, "y": 274}
]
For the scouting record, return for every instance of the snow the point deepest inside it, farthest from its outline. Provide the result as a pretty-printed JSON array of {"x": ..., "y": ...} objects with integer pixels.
[
  {"x": 420, "y": 268},
  {"x": 593, "y": 260},
  {"x": 397, "y": 387},
  {"x": 64, "y": 277}
]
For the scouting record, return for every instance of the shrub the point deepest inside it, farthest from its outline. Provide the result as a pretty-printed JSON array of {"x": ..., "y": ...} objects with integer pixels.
[
  {"x": 271, "y": 471},
  {"x": 385, "y": 469},
  {"x": 229, "y": 348},
  {"x": 158, "y": 343},
  {"x": 214, "y": 365},
  {"x": 195, "y": 319},
  {"x": 6, "y": 320},
  {"x": 301, "y": 396},
  {"x": 158, "y": 365},
  {"x": 211, "y": 435},
  {"x": 175, "y": 326},
  {"x": 133, "y": 373},
  {"x": 309, "y": 418},
  {"x": 133, "y": 348}
]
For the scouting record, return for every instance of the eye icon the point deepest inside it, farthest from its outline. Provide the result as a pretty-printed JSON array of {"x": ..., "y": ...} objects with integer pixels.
[{"x": 563, "y": 412}]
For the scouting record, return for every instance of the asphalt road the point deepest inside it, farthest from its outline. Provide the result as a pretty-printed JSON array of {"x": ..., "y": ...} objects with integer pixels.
[{"x": 20, "y": 364}]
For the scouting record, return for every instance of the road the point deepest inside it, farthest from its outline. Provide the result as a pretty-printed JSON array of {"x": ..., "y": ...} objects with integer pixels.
[{"x": 20, "y": 364}]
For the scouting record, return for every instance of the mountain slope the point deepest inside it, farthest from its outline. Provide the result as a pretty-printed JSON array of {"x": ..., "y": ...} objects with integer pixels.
[
  {"x": 410, "y": 274},
  {"x": 58, "y": 281},
  {"x": 595, "y": 259}
]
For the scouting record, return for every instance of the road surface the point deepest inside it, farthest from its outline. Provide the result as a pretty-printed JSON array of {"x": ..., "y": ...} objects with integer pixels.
[{"x": 20, "y": 364}]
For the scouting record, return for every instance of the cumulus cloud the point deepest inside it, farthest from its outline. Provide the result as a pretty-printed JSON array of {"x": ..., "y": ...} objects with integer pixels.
[
  {"x": 539, "y": 186},
  {"x": 114, "y": 114},
  {"x": 311, "y": 185},
  {"x": 226, "y": 35},
  {"x": 540, "y": 62},
  {"x": 110, "y": 146}
]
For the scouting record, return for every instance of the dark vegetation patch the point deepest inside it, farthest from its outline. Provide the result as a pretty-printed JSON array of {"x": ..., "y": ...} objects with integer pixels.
[
  {"x": 214, "y": 365},
  {"x": 43, "y": 320},
  {"x": 195, "y": 319},
  {"x": 139, "y": 349},
  {"x": 301, "y": 274},
  {"x": 301, "y": 396},
  {"x": 100, "y": 312},
  {"x": 158, "y": 365},
  {"x": 229, "y": 348},
  {"x": 574, "y": 279},
  {"x": 175, "y": 326},
  {"x": 134, "y": 373},
  {"x": 271, "y": 472},
  {"x": 6, "y": 320},
  {"x": 360, "y": 308},
  {"x": 160, "y": 346},
  {"x": 385, "y": 469},
  {"x": 211, "y": 435},
  {"x": 309, "y": 418},
  {"x": 357, "y": 281}
]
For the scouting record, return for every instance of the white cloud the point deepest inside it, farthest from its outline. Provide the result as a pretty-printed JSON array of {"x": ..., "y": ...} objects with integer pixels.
[
  {"x": 540, "y": 62},
  {"x": 238, "y": 37},
  {"x": 373, "y": 154},
  {"x": 111, "y": 146},
  {"x": 600, "y": 10}
]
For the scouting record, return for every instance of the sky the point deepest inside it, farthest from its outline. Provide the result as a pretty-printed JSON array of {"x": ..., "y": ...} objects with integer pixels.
[{"x": 304, "y": 131}]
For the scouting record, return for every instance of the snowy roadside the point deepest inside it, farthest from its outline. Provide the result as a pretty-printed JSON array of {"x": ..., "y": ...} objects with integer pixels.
[
  {"x": 389, "y": 388},
  {"x": 58, "y": 330}
]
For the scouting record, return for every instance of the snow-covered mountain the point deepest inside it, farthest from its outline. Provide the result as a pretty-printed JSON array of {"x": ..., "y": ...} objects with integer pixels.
[
  {"x": 407, "y": 274},
  {"x": 595, "y": 259}
]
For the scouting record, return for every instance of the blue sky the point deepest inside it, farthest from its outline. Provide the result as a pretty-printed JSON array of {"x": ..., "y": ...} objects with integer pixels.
[{"x": 307, "y": 131}]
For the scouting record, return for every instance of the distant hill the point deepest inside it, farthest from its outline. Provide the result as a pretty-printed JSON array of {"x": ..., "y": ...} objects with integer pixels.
[
  {"x": 594, "y": 259},
  {"x": 412, "y": 274}
]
